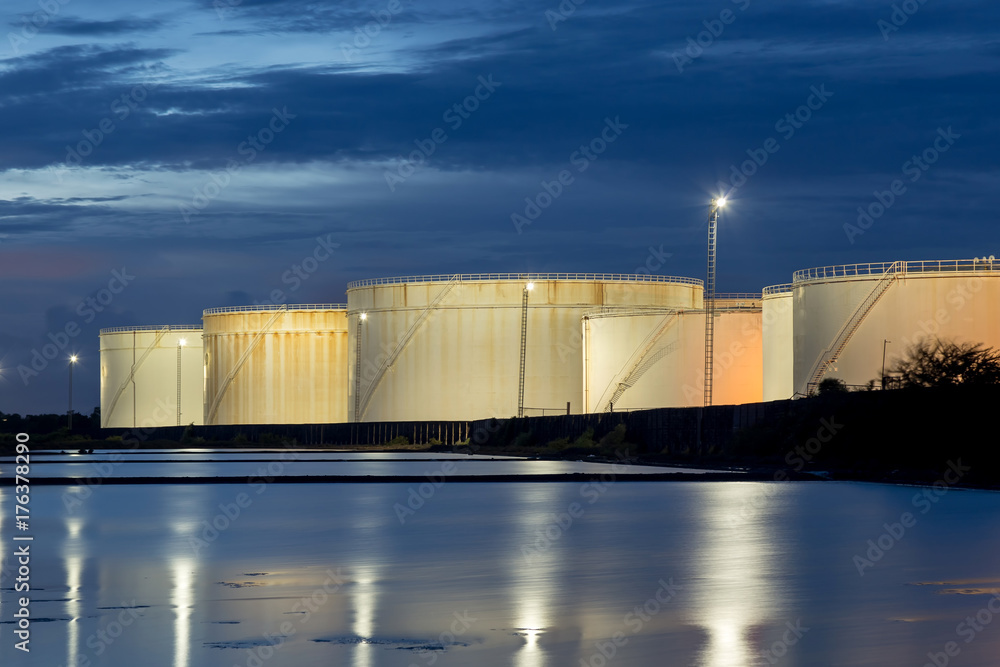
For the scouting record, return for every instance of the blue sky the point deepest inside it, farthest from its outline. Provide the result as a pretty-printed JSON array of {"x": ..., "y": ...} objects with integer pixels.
[{"x": 243, "y": 131}]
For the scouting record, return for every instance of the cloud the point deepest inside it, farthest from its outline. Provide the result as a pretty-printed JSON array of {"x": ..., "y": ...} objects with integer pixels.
[{"x": 77, "y": 27}]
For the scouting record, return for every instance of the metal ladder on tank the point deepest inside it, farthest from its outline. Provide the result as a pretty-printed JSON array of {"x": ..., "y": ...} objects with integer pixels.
[
  {"x": 643, "y": 360},
  {"x": 831, "y": 354},
  {"x": 524, "y": 350},
  {"x": 259, "y": 336},
  {"x": 106, "y": 418},
  {"x": 709, "y": 299},
  {"x": 403, "y": 342}
]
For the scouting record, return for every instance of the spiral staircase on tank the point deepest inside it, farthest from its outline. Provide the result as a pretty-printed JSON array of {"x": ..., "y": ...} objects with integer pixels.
[
  {"x": 641, "y": 360},
  {"x": 829, "y": 356},
  {"x": 390, "y": 361},
  {"x": 213, "y": 408},
  {"x": 106, "y": 417}
]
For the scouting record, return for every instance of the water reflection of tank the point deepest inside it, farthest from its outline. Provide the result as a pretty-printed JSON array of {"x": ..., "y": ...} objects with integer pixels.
[{"x": 844, "y": 314}]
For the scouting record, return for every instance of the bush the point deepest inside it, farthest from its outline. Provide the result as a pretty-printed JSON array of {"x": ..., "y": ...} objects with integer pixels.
[
  {"x": 832, "y": 386},
  {"x": 585, "y": 440},
  {"x": 398, "y": 441},
  {"x": 523, "y": 440},
  {"x": 944, "y": 363},
  {"x": 558, "y": 444},
  {"x": 615, "y": 437}
]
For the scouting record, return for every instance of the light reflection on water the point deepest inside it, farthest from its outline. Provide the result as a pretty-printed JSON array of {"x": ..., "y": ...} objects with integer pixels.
[
  {"x": 735, "y": 595},
  {"x": 74, "y": 588},
  {"x": 742, "y": 577},
  {"x": 533, "y": 583}
]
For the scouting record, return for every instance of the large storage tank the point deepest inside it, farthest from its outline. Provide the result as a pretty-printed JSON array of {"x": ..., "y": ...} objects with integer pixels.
[
  {"x": 640, "y": 359},
  {"x": 843, "y": 314},
  {"x": 276, "y": 364},
  {"x": 779, "y": 367},
  {"x": 448, "y": 347},
  {"x": 151, "y": 376}
]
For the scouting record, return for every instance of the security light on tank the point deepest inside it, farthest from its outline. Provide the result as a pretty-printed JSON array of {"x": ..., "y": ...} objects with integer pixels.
[
  {"x": 720, "y": 202},
  {"x": 363, "y": 316},
  {"x": 182, "y": 342},
  {"x": 530, "y": 286}
]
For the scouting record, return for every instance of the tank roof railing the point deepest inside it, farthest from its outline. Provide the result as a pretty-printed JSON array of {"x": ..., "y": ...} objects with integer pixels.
[
  {"x": 481, "y": 277},
  {"x": 152, "y": 327},
  {"x": 778, "y": 289},
  {"x": 737, "y": 296},
  {"x": 263, "y": 307},
  {"x": 879, "y": 268},
  {"x": 626, "y": 311}
]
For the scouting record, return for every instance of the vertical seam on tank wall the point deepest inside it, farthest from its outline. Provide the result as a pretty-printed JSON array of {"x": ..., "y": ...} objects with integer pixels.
[{"x": 133, "y": 379}]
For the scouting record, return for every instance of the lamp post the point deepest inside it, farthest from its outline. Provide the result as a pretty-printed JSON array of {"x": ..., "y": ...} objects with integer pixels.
[
  {"x": 362, "y": 317},
  {"x": 69, "y": 412},
  {"x": 709, "y": 297},
  {"x": 181, "y": 342},
  {"x": 524, "y": 342},
  {"x": 884, "y": 343}
]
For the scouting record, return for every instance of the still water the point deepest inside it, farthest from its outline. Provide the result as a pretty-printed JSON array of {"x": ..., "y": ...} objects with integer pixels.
[
  {"x": 714, "y": 574},
  {"x": 247, "y": 463}
]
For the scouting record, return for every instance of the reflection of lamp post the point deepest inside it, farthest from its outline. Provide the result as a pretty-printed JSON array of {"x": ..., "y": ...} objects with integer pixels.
[
  {"x": 884, "y": 343},
  {"x": 709, "y": 297},
  {"x": 362, "y": 317},
  {"x": 69, "y": 413},
  {"x": 524, "y": 341},
  {"x": 181, "y": 342}
]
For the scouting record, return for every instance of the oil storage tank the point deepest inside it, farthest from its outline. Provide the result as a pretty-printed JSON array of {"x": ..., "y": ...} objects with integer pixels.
[
  {"x": 845, "y": 315},
  {"x": 151, "y": 376},
  {"x": 777, "y": 320},
  {"x": 270, "y": 364},
  {"x": 449, "y": 346},
  {"x": 655, "y": 358}
]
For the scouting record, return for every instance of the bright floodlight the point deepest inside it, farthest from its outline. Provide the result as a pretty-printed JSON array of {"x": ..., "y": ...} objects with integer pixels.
[
  {"x": 72, "y": 359},
  {"x": 720, "y": 202},
  {"x": 182, "y": 342},
  {"x": 363, "y": 316},
  {"x": 530, "y": 286}
]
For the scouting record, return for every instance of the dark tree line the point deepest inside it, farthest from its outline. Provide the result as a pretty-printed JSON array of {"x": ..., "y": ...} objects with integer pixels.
[{"x": 946, "y": 363}]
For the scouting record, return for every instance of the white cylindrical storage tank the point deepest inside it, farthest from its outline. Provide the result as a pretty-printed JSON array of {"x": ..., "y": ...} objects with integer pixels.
[
  {"x": 147, "y": 372},
  {"x": 639, "y": 359},
  {"x": 779, "y": 370},
  {"x": 843, "y": 314},
  {"x": 276, "y": 364},
  {"x": 449, "y": 347}
]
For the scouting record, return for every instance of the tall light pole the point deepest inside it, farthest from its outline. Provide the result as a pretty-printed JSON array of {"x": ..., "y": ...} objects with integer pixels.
[
  {"x": 709, "y": 297},
  {"x": 362, "y": 317},
  {"x": 69, "y": 412},
  {"x": 524, "y": 347},
  {"x": 885, "y": 342},
  {"x": 181, "y": 342}
]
